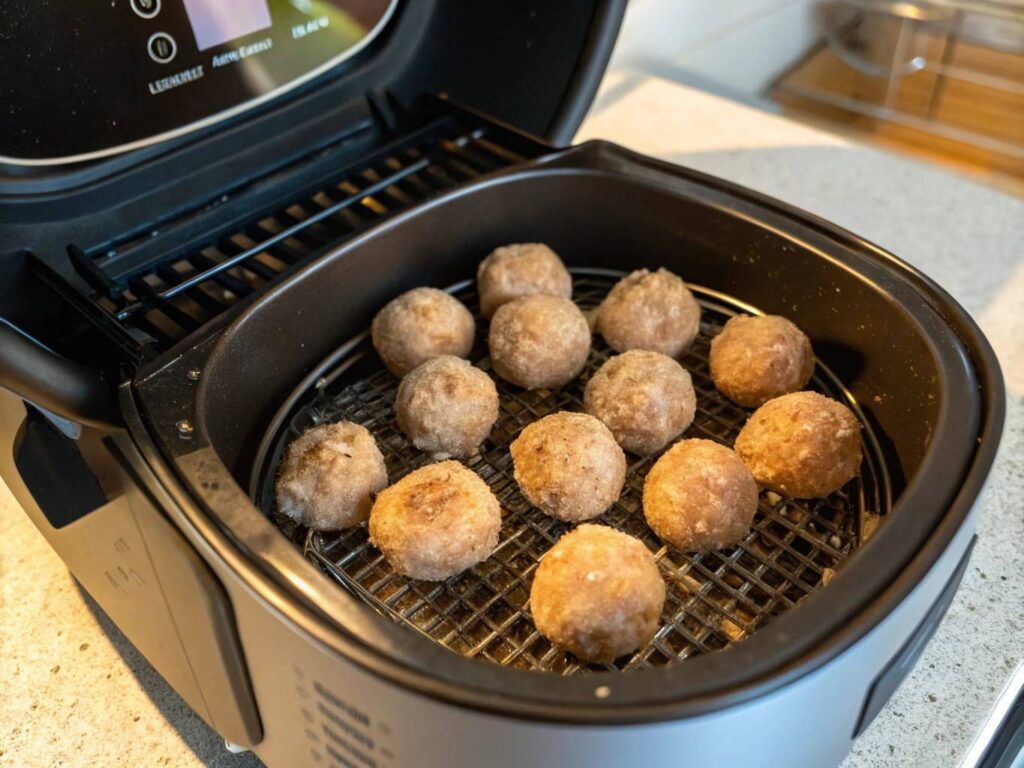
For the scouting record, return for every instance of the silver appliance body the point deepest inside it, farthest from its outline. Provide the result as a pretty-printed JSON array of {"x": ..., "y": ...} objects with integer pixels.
[{"x": 317, "y": 705}]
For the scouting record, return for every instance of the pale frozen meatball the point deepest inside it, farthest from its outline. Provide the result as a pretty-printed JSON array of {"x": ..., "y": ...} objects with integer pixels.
[
  {"x": 329, "y": 475},
  {"x": 597, "y": 594},
  {"x": 569, "y": 465},
  {"x": 649, "y": 310},
  {"x": 645, "y": 398},
  {"x": 803, "y": 445},
  {"x": 699, "y": 497},
  {"x": 419, "y": 325},
  {"x": 447, "y": 407},
  {"x": 755, "y": 359},
  {"x": 436, "y": 522},
  {"x": 539, "y": 341},
  {"x": 523, "y": 269}
]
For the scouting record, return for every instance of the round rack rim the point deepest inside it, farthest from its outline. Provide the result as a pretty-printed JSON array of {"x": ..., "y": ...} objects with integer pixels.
[{"x": 494, "y": 610}]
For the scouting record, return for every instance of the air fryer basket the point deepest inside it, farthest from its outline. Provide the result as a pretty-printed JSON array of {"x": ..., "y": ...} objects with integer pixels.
[
  {"x": 922, "y": 378},
  {"x": 714, "y": 599}
]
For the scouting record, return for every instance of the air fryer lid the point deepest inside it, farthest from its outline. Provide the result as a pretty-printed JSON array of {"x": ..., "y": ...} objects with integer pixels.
[
  {"x": 916, "y": 364},
  {"x": 113, "y": 77}
]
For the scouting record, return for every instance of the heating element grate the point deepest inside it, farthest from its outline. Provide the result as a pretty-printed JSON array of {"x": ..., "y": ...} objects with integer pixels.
[
  {"x": 713, "y": 600},
  {"x": 152, "y": 291}
]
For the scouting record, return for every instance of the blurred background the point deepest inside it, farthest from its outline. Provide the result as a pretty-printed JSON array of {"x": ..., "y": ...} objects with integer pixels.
[{"x": 942, "y": 80}]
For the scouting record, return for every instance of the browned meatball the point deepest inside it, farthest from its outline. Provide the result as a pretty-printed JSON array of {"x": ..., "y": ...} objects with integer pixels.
[
  {"x": 539, "y": 341},
  {"x": 447, "y": 407},
  {"x": 329, "y": 475},
  {"x": 755, "y": 359},
  {"x": 645, "y": 398},
  {"x": 569, "y": 465},
  {"x": 597, "y": 594},
  {"x": 419, "y": 325},
  {"x": 649, "y": 310},
  {"x": 523, "y": 269},
  {"x": 803, "y": 445},
  {"x": 700, "y": 497},
  {"x": 436, "y": 522}
]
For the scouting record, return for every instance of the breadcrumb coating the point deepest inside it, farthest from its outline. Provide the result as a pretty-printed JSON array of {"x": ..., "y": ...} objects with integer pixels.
[
  {"x": 539, "y": 342},
  {"x": 598, "y": 594},
  {"x": 802, "y": 445},
  {"x": 755, "y": 359},
  {"x": 447, "y": 407},
  {"x": 521, "y": 269},
  {"x": 419, "y": 325},
  {"x": 699, "y": 497},
  {"x": 649, "y": 310},
  {"x": 436, "y": 522},
  {"x": 329, "y": 475},
  {"x": 569, "y": 465},
  {"x": 645, "y": 398}
]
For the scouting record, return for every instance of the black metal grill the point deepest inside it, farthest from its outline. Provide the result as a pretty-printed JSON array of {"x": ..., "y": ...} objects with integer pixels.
[
  {"x": 713, "y": 600},
  {"x": 154, "y": 290}
]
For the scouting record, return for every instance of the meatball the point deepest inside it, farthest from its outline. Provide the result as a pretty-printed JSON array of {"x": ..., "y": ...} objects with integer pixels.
[
  {"x": 524, "y": 269},
  {"x": 539, "y": 341},
  {"x": 649, "y": 310},
  {"x": 598, "y": 594},
  {"x": 436, "y": 522},
  {"x": 755, "y": 359},
  {"x": 803, "y": 445},
  {"x": 419, "y": 325},
  {"x": 329, "y": 475},
  {"x": 447, "y": 407},
  {"x": 700, "y": 497},
  {"x": 569, "y": 465},
  {"x": 645, "y": 398}
]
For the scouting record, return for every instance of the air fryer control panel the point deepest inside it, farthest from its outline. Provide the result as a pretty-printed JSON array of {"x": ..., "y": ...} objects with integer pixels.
[{"x": 88, "y": 79}]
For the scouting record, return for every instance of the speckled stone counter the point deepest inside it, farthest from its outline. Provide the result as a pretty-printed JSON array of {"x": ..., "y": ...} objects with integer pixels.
[{"x": 75, "y": 693}]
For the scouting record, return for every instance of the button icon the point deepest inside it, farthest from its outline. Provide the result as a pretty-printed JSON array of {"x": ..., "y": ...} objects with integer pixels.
[
  {"x": 147, "y": 9},
  {"x": 162, "y": 47}
]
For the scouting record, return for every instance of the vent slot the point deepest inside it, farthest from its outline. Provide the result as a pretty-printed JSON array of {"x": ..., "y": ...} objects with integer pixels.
[
  {"x": 347, "y": 734},
  {"x": 152, "y": 292}
]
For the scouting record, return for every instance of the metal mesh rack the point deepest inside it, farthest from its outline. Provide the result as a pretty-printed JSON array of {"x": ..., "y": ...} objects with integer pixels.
[
  {"x": 713, "y": 599},
  {"x": 153, "y": 291}
]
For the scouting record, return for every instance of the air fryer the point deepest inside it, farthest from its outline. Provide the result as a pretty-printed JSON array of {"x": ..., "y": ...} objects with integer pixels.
[{"x": 187, "y": 289}]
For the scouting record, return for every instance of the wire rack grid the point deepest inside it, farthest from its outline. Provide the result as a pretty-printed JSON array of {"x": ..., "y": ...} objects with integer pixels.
[{"x": 713, "y": 600}]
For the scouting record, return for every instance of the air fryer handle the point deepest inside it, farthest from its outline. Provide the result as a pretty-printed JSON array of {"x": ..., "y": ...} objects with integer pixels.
[{"x": 71, "y": 390}]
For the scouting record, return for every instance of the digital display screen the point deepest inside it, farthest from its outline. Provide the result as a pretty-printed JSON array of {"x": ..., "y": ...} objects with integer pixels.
[{"x": 218, "y": 21}]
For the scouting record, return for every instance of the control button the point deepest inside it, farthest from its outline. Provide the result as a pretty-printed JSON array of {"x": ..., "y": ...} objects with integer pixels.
[
  {"x": 147, "y": 9},
  {"x": 162, "y": 47}
]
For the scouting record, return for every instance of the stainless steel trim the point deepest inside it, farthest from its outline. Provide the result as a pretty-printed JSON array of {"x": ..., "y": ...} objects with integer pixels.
[
  {"x": 995, "y": 719},
  {"x": 220, "y": 116}
]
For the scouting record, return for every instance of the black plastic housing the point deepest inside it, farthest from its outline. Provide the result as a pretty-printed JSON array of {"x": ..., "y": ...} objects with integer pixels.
[
  {"x": 917, "y": 364},
  {"x": 535, "y": 66}
]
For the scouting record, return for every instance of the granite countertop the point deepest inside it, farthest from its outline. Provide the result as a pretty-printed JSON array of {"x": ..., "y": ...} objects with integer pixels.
[{"x": 75, "y": 693}]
